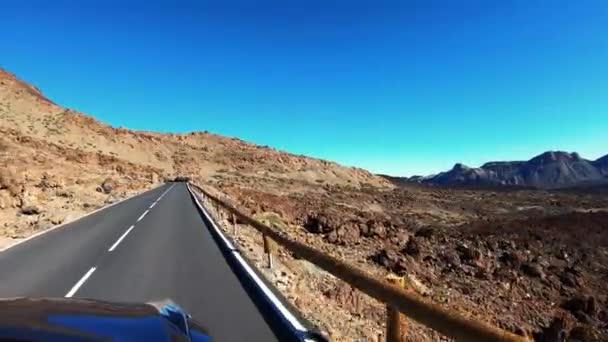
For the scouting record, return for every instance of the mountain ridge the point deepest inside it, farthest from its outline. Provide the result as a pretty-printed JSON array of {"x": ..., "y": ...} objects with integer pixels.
[{"x": 551, "y": 169}]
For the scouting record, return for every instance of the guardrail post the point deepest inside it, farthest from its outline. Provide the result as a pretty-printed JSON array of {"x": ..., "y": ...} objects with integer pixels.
[
  {"x": 396, "y": 325},
  {"x": 268, "y": 249}
]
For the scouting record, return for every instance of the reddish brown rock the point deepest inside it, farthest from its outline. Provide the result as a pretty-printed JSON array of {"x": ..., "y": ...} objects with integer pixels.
[
  {"x": 412, "y": 247},
  {"x": 392, "y": 260}
]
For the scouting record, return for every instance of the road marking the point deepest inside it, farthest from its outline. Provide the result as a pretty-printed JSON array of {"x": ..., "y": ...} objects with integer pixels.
[
  {"x": 216, "y": 228},
  {"x": 142, "y": 215},
  {"x": 269, "y": 294},
  {"x": 80, "y": 282},
  {"x": 153, "y": 204},
  {"x": 295, "y": 322},
  {"x": 164, "y": 193},
  {"x": 120, "y": 239}
]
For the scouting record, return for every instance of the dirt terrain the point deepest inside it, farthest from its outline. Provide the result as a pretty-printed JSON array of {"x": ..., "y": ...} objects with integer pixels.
[
  {"x": 520, "y": 259},
  {"x": 533, "y": 262}
]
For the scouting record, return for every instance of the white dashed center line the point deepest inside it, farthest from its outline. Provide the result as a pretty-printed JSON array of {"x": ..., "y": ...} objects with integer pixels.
[
  {"x": 120, "y": 239},
  {"x": 80, "y": 282},
  {"x": 142, "y": 215},
  {"x": 164, "y": 193},
  {"x": 90, "y": 272}
]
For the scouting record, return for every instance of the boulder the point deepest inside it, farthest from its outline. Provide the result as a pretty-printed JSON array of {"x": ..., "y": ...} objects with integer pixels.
[
  {"x": 319, "y": 223},
  {"x": 417, "y": 285},
  {"x": 364, "y": 230},
  {"x": 533, "y": 269},
  {"x": 107, "y": 186},
  {"x": 586, "y": 304},
  {"x": 346, "y": 234},
  {"x": 29, "y": 205},
  {"x": 468, "y": 253},
  {"x": 49, "y": 182},
  {"x": 30, "y": 210},
  {"x": 569, "y": 278},
  {"x": 392, "y": 260},
  {"x": 57, "y": 219},
  {"x": 584, "y": 333},
  {"x": 111, "y": 199},
  {"x": 583, "y": 317},
  {"x": 345, "y": 296},
  {"x": 10, "y": 180},
  {"x": 398, "y": 237},
  {"x": 7, "y": 200},
  {"x": 482, "y": 269},
  {"x": 557, "y": 331},
  {"x": 603, "y": 317},
  {"x": 374, "y": 228},
  {"x": 412, "y": 247},
  {"x": 64, "y": 194},
  {"x": 452, "y": 259},
  {"x": 425, "y": 232}
]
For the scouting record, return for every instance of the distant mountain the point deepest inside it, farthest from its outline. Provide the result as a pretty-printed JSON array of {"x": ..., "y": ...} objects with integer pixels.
[
  {"x": 554, "y": 169},
  {"x": 602, "y": 164}
]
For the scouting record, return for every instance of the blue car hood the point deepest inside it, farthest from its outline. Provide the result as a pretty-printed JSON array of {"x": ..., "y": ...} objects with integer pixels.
[{"x": 45, "y": 319}]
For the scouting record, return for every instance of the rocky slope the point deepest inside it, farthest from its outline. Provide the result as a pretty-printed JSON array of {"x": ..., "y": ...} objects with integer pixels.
[
  {"x": 515, "y": 258},
  {"x": 548, "y": 170},
  {"x": 56, "y": 160}
]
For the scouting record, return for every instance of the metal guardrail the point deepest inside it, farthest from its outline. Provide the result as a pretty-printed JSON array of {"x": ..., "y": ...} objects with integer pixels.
[{"x": 448, "y": 323}]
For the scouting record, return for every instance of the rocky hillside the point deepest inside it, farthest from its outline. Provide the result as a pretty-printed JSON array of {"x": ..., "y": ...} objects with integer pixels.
[
  {"x": 546, "y": 171},
  {"x": 56, "y": 160},
  {"x": 24, "y": 111}
]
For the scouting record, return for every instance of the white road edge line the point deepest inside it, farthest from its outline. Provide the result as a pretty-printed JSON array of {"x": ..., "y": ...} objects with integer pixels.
[
  {"x": 152, "y": 206},
  {"x": 120, "y": 239},
  {"x": 271, "y": 296},
  {"x": 80, "y": 282},
  {"x": 143, "y": 215},
  {"x": 219, "y": 232},
  {"x": 69, "y": 222}
]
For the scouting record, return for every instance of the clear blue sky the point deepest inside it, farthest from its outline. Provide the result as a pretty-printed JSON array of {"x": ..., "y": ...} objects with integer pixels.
[{"x": 401, "y": 87}]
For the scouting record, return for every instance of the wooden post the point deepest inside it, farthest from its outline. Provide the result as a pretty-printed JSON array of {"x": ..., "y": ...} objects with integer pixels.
[
  {"x": 396, "y": 325},
  {"x": 269, "y": 249}
]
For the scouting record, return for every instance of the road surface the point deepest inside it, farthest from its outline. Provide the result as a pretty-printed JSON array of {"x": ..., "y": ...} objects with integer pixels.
[{"x": 151, "y": 247}]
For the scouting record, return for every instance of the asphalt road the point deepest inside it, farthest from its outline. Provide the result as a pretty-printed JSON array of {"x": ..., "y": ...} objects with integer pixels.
[{"x": 167, "y": 254}]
